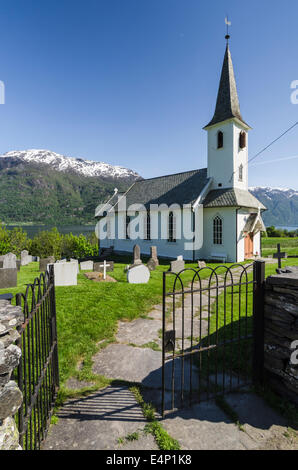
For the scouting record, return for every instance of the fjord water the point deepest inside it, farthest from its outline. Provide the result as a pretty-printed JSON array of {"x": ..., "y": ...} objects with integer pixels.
[{"x": 74, "y": 229}]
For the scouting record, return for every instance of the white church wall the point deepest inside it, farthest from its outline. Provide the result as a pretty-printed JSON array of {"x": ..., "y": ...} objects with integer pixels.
[
  {"x": 164, "y": 247},
  {"x": 242, "y": 216},
  {"x": 228, "y": 246},
  {"x": 257, "y": 244},
  {"x": 224, "y": 163},
  {"x": 240, "y": 158}
]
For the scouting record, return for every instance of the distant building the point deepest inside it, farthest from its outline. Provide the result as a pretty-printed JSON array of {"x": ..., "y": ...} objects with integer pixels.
[{"x": 231, "y": 222}]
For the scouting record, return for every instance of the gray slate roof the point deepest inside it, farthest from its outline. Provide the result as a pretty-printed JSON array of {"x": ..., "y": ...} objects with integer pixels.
[
  {"x": 231, "y": 197},
  {"x": 180, "y": 188},
  {"x": 227, "y": 104}
]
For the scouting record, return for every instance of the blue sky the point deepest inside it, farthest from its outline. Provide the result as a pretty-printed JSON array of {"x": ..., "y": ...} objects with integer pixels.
[{"x": 132, "y": 82}]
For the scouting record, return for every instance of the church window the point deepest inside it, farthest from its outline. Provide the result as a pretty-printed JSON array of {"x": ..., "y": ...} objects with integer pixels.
[
  {"x": 241, "y": 172},
  {"x": 172, "y": 227},
  {"x": 242, "y": 140},
  {"x": 219, "y": 140},
  {"x": 147, "y": 228},
  {"x": 127, "y": 220},
  {"x": 217, "y": 230}
]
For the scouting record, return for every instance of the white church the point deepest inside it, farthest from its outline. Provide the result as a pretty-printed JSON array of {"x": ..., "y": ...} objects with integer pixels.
[{"x": 230, "y": 223}]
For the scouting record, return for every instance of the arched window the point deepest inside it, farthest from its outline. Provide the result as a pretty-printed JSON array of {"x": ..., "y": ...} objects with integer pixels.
[
  {"x": 242, "y": 139},
  {"x": 220, "y": 139},
  {"x": 240, "y": 172},
  {"x": 127, "y": 220},
  {"x": 217, "y": 230},
  {"x": 147, "y": 227},
  {"x": 172, "y": 227}
]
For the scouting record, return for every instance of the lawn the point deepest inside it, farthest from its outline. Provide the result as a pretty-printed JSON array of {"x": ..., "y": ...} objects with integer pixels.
[
  {"x": 88, "y": 313},
  {"x": 290, "y": 245}
]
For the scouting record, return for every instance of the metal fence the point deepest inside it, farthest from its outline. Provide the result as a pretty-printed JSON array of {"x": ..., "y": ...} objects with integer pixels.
[
  {"x": 37, "y": 374},
  {"x": 212, "y": 332}
]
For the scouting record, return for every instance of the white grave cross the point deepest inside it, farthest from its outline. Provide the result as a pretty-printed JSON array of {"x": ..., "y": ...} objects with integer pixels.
[{"x": 104, "y": 266}]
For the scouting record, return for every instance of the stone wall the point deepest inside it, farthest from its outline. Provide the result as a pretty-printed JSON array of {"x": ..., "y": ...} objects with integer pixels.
[
  {"x": 281, "y": 330},
  {"x": 10, "y": 395}
]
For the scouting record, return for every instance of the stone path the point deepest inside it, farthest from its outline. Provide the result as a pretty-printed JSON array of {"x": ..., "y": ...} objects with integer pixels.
[{"x": 112, "y": 419}]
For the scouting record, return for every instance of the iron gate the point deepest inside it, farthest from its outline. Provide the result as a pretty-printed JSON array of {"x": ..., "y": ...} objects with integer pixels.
[
  {"x": 212, "y": 332},
  {"x": 37, "y": 374}
]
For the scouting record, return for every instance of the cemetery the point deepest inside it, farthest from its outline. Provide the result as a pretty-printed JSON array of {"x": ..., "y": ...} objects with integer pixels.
[{"x": 128, "y": 301}]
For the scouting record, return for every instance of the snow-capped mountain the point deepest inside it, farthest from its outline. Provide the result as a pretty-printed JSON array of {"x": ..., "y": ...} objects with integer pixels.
[
  {"x": 281, "y": 203},
  {"x": 69, "y": 164}
]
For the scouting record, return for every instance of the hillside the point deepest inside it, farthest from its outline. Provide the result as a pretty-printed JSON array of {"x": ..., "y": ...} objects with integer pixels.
[
  {"x": 49, "y": 189},
  {"x": 44, "y": 187},
  {"x": 282, "y": 205}
]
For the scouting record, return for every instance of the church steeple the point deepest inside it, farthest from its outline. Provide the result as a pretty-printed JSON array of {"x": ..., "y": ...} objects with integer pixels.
[{"x": 227, "y": 104}]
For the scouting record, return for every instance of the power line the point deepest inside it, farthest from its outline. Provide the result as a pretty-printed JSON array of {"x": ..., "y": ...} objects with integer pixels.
[
  {"x": 267, "y": 146},
  {"x": 273, "y": 142}
]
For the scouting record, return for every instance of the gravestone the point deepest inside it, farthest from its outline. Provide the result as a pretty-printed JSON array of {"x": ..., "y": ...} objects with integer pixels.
[
  {"x": 72, "y": 260},
  {"x": 136, "y": 256},
  {"x": 280, "y": 255},
  {"x": 65, "y": 274},
  {"x": 8, "y": 277},
  {"x": 139, "y": 274},
  {"x": 61, "y": 261},
  {"x": 18, "y": 263},
  {"x": 98, "y": 267},
  {"x": 25, "y": 258},
  {"x": 86, "y": 265},
  {"x": 9, "y": 261},
  {"x": 43, "y": 262},
  {"x": 177, "y": 265},
  {"x": 201, "y": 264},
  {"x": 153, "y": 261}
]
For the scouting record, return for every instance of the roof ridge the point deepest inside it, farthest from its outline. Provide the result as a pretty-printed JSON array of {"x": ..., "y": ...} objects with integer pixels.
[{"x": 171, "y": 174}]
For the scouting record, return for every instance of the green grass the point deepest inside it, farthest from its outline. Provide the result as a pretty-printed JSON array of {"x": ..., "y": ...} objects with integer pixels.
[
  {"x": 162, "y": 438},
  {"x": 287, "y": 244},
  {"x": 88, "y": 313}
]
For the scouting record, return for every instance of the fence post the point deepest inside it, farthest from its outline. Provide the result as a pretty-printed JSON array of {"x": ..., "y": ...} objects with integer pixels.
[
  {"x": 54, "y": 325},
  {"x": 258, "y": 322}
]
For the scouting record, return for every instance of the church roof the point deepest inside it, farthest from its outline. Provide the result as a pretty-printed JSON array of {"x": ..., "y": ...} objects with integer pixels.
[
  {"x": 180, "y": 188},
  {"x": 232, "y": 197},
  {"x": 227, "y": 104},
  {"x": 185, "y": 188}
]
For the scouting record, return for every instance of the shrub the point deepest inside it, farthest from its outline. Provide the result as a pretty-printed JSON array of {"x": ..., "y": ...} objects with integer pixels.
[
  {"x": 47, "y": 243},
  {"x": 77, "y": 247}
]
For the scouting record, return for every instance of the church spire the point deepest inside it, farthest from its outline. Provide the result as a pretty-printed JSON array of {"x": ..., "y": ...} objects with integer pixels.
[{"x": 227, "y": 104}]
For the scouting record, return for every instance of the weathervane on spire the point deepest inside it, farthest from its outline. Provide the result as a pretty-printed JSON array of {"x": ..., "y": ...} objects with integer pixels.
[{"x": 228, "y": 23}]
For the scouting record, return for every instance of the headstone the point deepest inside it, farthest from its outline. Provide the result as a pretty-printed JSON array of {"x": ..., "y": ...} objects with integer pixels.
[
  {"x": 177, "y": 265},
  {"x": 9, "y": 261},
  {"x": 136, "y": 256},
  {"x": 280, "y": 255},
  {"x": 65, "y": 274},
  {"x": 43, "y": 262},
  {"x": 61, "y": 261},
  {"x": 138, "y": 274},
  {"x": 201, "y": 264},
  {"x": 153, "y": 261},
  {"x": 8, "y": 277},
  {"x": 18, "y": 263},
  {"x": 25, "y": 258},
  {"x": 72, "y": 260},
  {"x": 86, "y": 265},
  {"x": 98, "y": 267}
]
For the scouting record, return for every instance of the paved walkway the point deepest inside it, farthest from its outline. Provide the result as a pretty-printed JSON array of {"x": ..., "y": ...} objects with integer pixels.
[{"x": 112, "y": 419}]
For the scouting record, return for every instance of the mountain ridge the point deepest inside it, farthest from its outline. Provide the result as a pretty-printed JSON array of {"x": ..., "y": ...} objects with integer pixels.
[{"x": 42, "y": 186}]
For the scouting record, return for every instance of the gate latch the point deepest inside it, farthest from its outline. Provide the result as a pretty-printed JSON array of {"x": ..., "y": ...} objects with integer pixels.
[{"x": 169, "y": 341}]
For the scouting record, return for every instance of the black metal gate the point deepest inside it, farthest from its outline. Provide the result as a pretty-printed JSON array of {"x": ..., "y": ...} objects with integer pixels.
[
  {"x": 212, "y": 332},
  {"x": 37, "y": 373}
]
